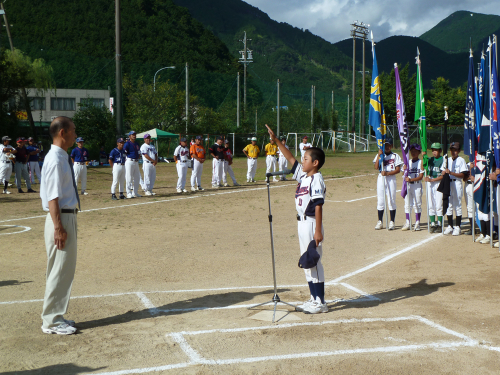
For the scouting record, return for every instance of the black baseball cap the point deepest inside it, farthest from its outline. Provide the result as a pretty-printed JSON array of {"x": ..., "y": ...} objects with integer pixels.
[
  {"x": 389, "y": 140},
  {"x": 310, "y": 258},
  {"x": 455, "y": 145},
  {"x": 219, "y": 138},
  {"x": 183, "y": 139},
  {"x": 199, "y": 137}
]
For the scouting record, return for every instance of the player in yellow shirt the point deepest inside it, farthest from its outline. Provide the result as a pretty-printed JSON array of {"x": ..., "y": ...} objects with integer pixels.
[
  {"x": 270, "y": 150},
  {"x": 252, "y": 152}
]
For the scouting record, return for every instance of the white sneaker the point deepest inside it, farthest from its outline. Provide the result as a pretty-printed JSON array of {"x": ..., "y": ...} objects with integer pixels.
[
  {"x": 226, "y": 184},
  {"x": 85, "y": 193},
  {"x": 215, "y": 186},
  {"x": 148, "y": 193},
  {"x": 69, "y": 322},
  {"x": 316, "y": 308},
  {"x": 417, "y": 226},
  {"x": 61, "y": 329},
  {"x": 448, "y": 230},
  {"x": 248, "y": 180},
  {"x": 485, "y": 240},
  {"x": 184, "y": 191},
  {"x": 179, "y": 190},
  {"x": 496, "y": 244},
  {"x": 6, "y": 192},
  {"x": 304, "y": 305},
  {"x": 152, "y": 193},
  {"x": 193, "y": 188},
  {"x": 479, "y": 238},
  {"x": 456, "y": 231},
  {"x": 406, "y": 226},
  {"x": 129, "y": 196},
  {"x": 391, "y": 225},
  {"x": 379, "y": 225}
]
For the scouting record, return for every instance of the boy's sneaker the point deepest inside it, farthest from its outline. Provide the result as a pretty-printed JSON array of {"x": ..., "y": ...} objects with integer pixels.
[
  {"x": 391, "y": 225},
  {"x": 83, "y": 193},
  {"x": 456, "y": 231},
  {"x": 193, "y": 188},
  {"x": 148, "y": 193},
  {"x": 406, "y": 226},
  {"x": 496, "y": 244},
  {"x": 226, "y": 184},
  {"x": 479, "y": 238},
  {"x": 316, "y": 308},
  {"x": 379, "y": 225},
  {"x": 69, "y": 322},
  {"x": 61, "y": 329},
  {"x": 184, "y": 191},
  {"x": 179, "y": 190},
  {"x": 6, "y": 192},
  {"x": 33, "y": 191},
  {"x": 304, "y": 305},
  {"x": 485, "y": 240},
  {"x": 130, "y": 196},
  {"x": 417, "y": 226},
  {"x": 448, "y": 230},
  {"x": 113, "y": 197},
  {"x": 20, "y": 191}
]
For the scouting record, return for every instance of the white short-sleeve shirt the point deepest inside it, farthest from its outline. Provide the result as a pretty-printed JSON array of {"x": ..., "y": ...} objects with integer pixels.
[
  {"x": 415, "y": 168},
  {"x": 149, "y": 150},
  {"x": 281, "y": 156},
  {"x": 3, "y": 155},
  {"x": 182, "y": 153},
  {"x": 57, "y": 180},
  {"x": 391, "y": 161},
  {"x": 456, "y": 166},
  {"x": 302, "y": 149},
  {"x": 310, "y": 190}
]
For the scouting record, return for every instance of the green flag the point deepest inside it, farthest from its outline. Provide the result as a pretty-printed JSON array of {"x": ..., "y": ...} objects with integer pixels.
[{"x": 420, "y": 111}]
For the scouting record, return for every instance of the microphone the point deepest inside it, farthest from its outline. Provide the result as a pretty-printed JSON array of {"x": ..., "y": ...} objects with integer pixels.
[{"x": 281, "y": 173}]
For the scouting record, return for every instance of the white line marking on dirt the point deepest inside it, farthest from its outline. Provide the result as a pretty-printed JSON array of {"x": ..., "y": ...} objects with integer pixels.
[
  {"x": 444, "y": 329},
  {"x": 184, "y": 198},
  {"x": 493, "y": 348},
  {"x": 15, "y": 226},
  {"x": 355, "y": 200},
  {"x": 369, "y": 297},
  {"x": 192, "y": 354},
  {"x": 147, "y": 369},
  {"x": 147, "y": 303}
]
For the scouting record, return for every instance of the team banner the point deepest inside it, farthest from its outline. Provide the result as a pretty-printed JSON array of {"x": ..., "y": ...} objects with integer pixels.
[
  {"x": 484, "y": 129},
  {"x": 402, "y": 126},
  {"x": 480, "y": 93},
  {"x": 494, "y": 106},
  {"x": 481, "y": 182},
  {"x": 420, "y": 110},
  {"x": 470, "y": 138},
  {"x": 376, "y": 117}
]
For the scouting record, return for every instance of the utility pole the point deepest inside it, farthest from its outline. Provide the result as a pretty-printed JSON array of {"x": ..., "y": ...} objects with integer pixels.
[
  {"x": 187, "y": 97},
  {"x": 278, "y": 110},
  {"x": 312, "y": 107},
  {"x": 255, "y": 122},
  {"x": 246, "y": 58},
  {"x": 238, "y": 102},
  {"x": 347, "y": 126},
  {"x": 333, "y": 107},
  {"x": 118, "y": 72},
  {"x": 27, "y": 103}
]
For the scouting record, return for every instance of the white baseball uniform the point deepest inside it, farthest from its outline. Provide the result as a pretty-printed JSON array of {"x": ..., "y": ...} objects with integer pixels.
[
  {"x": 183, "y": 160},
  {"x": 147, "y": 166},
  {"x": 302, "y": 149},
  {"x": 434, "y": 197},
  {"x": 228, "y": 156},
  {"x": 309, "y": 194},
  {"x": 414, "y": 189},
  {"x": 391, "y": 161},
  {"x": 468, "y": 194},
  {"x": 456, "y": 188},
  {"x": 118, "y": 157},
  {"x": 5, "y": 164},
  {"x": 80, "y": 156},
  {"x": 282, "y": 163}
]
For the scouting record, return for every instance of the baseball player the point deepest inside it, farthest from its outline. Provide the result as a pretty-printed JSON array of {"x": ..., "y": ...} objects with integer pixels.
[
  {"x": 197, "y": 152},
  {"x": 304, "y": 146},
  {"x": 33, "y": 166},
  {"x": 117, "y": 162},
  {"x": 282, "y": 162},
  {"x": 21, "y": 166},
  {"x": 132, "y": 173},
  {"x": 217, "y": 152},
  {"x": 79, "y": 156},
  {"x": 270, "y": 151},
  {"x": 7, "y": 156},
  {"x": 414, "y": 187},
  {"x": 252, "y": 152},
  {"x": 392, "y": 166},
  {"x": 309, "y": 200},
  {"x": 149, "y": 161},
  {"x": 182, "y": 160},
  {"x": 228, "y": 160},
  {"x": 434, "y": 197},
  {"x": 456, "y": 168}
]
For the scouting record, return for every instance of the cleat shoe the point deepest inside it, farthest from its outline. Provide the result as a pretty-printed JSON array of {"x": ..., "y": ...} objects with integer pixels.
[
  {"x": 193, "y": 188},
  {"x": 6, "y": 192},
  {"x": 448, "y": 230},
  {"x": 200, "y": 188},
  {"x": 479, "y": 238},
  {"x": 456, "y": 231},
  {"x": 130, "y": 196},
  {"x": 20, "y": 191},
  {"x": 113, "y": 197},
  {"x": 83, "y": 193},
  {"x": 316, "y": 308},
  {"x": 485, "y": 240},
  {"x": 152, "y": 193},
  {"x": 61, "y": 329},
  {"x": 379, "y": 225},
  {"x": 137, "y": 195},
  {"x": 215, "y": 186},
  {"x": 122, "y": 196},
  {"x": 71, "y": 323},
  {"x": 391, "y": 225},
  {"x": 31, "y": 191},
  {"x": 253, "y": 180},
  {"x": 226, "y": 184},
  {"x": 406, "y": 226},
  {"x": 220, "y": 185},
  {"x": 304, "y": 305},
  {"x": 416, "y": 228},
  {"x": 248, "y": 180},
  {"x": 184, "y": 191},
  {"x": 236, "y": 184},
  {"x": 179, "y": 190},
  {"x": 148, "y": 193}
]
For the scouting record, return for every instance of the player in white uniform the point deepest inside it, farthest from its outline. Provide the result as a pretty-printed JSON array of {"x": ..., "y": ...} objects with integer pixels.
[
  {"x": 149, "y": 161},
  {"x": 303, "y": 147},
  {"x": 282, "y": 162},
  {"x": 414, "y": 187},
  {"x": 6, "y": 157},
  {"x": 468, "y": 194},
  {"x": 392, "y": 166},
  {"x": 228, "y": 160},
  {"x": 309, "y": 200},
  {"x": 182, "y": 160},
  {"x": 117, "y": 159},
  {"x": 435, "y": 197},
  {"x": 456, "y": 168}
]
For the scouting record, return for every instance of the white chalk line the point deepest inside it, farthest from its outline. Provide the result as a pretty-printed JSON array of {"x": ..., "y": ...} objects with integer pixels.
[
  {"x": 147, "y": 303},
  {"x": 355, "y": 200},
  {"x": 184, "y": 198},
  {"x": 15, "y": 226}
]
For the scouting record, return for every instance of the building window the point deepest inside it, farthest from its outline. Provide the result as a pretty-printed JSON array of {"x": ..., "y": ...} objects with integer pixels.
[
  {"x": 63, "y": 104},
  {"x": 37, "y": 104},
  {"x": 91, "y": 102}
]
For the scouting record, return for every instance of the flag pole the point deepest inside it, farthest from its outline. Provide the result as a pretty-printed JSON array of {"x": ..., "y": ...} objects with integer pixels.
[
  {"x": 491, "y": 147},
  {"x": 473, "y": 159}
]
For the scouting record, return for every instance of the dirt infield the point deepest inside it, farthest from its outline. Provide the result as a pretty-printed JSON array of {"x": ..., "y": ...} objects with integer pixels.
[{"x": 163, "y": 285}]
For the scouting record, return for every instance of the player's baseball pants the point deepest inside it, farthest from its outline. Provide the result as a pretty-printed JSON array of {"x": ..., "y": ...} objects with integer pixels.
[
  {"x": 434, "y": 199},
  {"x": 217, "y": 170},
  {"x": 469, "y": 199},
  {"x": 80, "y": 173},
  {"x": 283, "y": 164},
  {"x": 149, "y": 175},
  {"x": 252, "y": 168},
  {"x": 182, "y": 169},
  {"x": 22, "y": 172},
  {"x": 132, "y": 176},
  {"x": 34, "y": 169},
  {"x": 390, "y": 190},
  {"x": 271, "y": 164},
  {"x": 306, "y": 229},
  {"x": 5, "y": 172},
  {"x": 413, "y": 197},
  {"x": 61, "y": 266},
  {"x": 228, "y": 170},
  {"x": 455, "y": 200},
  {"x": 196, "y": 173},
  {"x": 118, "y": 178}
]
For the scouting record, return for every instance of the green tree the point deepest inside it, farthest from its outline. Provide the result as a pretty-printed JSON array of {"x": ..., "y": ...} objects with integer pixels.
[
  {"x": 95, "y": 124},
  {"x": 442, "y": 95}
]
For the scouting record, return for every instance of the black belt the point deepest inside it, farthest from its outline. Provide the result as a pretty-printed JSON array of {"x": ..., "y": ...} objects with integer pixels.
[
  {"x": 184, "y": 161},
  {"x": 469, "y": 182},
  {"x": 147, "y": 161},
  {"x": 6, "y": 162},
  {"x": 132, "y": 159},
  {"x": 120, "y": 163},
  {"x": 69, "y": 211},
  {"x": 414, "y": 182},
  {"x": 79, "y": 163},
  {"x": 304, "y": 217}
]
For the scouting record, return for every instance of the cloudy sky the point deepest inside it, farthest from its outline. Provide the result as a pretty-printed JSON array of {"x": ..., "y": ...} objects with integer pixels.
[{"x": 331, "y": 19}]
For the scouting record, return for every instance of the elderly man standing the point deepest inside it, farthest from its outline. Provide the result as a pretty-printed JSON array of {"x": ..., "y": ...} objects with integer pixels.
[
  {"x": 60, "y": 199},
  {"x": 132, "y": 173}
]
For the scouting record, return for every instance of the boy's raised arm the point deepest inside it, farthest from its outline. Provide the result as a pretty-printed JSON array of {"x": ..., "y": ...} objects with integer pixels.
[{"x": 285, "y": 152}]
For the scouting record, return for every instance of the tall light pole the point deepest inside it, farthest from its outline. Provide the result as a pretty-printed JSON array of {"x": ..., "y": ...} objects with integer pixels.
[
  {"x": 159, "y": 70},
  {"x": 238, "y": 102},
  {"x": 187, "y": 97},
  {"x": 118, "y": 70},
  {"x": 246, "y": 58},
  {"x": 278, "y": 109}
]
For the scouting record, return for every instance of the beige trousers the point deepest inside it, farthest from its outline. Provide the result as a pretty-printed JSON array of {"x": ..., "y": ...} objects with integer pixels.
[{"x": 61, "y": 266}]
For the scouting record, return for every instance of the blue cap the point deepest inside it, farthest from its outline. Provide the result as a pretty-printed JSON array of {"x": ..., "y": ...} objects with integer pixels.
[
  {"x": 389, "y": 140},
  {"x": 80, "y": 139},
  {"x": 199, "y": 137},
  {"x": 120, "y": 140},
  {"x": 147, "y": 135},
  {"x": 219, "y": 138},
  {"x": 183, "y": 139},
  {"x": 310, "y": 258},
  {"x": 131, "y": 132}
]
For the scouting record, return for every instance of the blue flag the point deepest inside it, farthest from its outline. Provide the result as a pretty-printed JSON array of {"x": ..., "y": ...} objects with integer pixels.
[
  {"x": 376, "y": 117},
  {"x": 480, "y": 93},
  {"x": 484, "y": 129},
  {"x": 494, "y": 106},
  {"x": 470, "y": 115},
  {"x": 481, "y": 182}
]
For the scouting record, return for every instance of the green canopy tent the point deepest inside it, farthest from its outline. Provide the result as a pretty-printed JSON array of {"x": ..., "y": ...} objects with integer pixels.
[{"x": 157, "y": 134}]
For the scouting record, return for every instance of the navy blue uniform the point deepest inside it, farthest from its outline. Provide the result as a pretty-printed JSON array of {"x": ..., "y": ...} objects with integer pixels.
[
  {"x": 31, "y": 149},
  {"x": 132, "y": 150},
  {"x": 117, "y": 156},
  {"x": 80, "y": 155}
]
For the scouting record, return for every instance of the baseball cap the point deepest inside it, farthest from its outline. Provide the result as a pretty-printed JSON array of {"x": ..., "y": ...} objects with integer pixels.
[
  {"x": 199, "y": 137},
  {"x": 436, "y": 145},
  {"x": 120, "y": 140},
  {"x": 6, "y": 138},
  {"x": 30, "y": 139},
  {"x": 416, "y": 147},
  {"x": 80, "y": 139},
  {"x": 219, "y": 138},
  {"x": 389, "y": 140},
  {"x": 20, "y": 139},
  {"x": 455, "y": 145},
  {"x": 310, "y": 258},
  {"x": 131, "y": 132},
  {"x": 183, "y": 139},
  {"x": 227, "y": 141},
  {"x": 283, "y": 138},
  {"x": 254, "y": 138},
  {"x": 147, "y": 135},
  {"x": 305, "y": 136}
]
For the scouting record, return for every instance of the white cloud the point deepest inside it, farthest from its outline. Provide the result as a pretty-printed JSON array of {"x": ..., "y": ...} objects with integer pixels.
[{"x": 331, "y": 19}]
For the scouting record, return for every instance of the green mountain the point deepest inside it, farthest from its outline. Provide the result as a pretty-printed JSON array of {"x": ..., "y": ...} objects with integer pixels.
[{"x": 456, "y": 32}]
